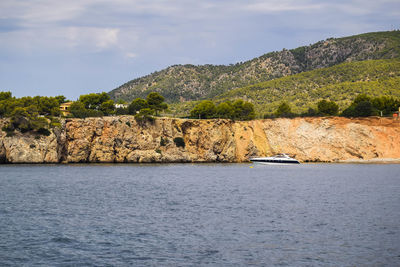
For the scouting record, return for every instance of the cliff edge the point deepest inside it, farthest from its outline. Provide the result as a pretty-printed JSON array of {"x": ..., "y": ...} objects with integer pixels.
[{"x": 122, "y": 139}]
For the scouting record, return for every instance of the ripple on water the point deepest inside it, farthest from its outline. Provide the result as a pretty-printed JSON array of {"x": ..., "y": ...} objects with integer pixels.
[
  {"x": 63, "y": 240},
  {"x": 200, "y": 215}
]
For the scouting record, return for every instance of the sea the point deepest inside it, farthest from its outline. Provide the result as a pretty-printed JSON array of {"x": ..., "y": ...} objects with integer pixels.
[{"x": 200, "y": 215}]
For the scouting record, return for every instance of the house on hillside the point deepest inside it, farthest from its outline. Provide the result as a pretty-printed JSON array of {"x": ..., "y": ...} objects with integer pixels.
[
  {"x": 64, "y": 108},
  {"x": 121, "y": 105}
]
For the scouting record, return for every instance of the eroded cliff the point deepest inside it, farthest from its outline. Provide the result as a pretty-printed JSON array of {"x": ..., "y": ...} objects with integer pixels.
[{"x": 122, "y": 139}]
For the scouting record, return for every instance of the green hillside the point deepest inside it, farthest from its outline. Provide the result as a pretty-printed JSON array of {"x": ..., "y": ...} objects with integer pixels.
[
  {"x": 181, "y": 83},
  {"x": 340, "y": 83}
]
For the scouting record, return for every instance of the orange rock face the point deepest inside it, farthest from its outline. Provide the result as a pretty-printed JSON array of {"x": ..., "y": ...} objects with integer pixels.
[{"x": 122, "y": 139}]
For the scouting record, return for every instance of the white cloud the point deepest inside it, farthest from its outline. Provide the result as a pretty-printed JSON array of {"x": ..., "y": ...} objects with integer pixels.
[
  {"x": 274, "y": 6},
  {"x": 100, "y": 38},
  {"x": 37, "y": 12},
  {"x": 91, "y": 39},
  {"x": 130, "y": 55}
]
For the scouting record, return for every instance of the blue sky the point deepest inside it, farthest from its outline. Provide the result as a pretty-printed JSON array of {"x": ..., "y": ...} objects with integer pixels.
[{"x": 50, "y": 47}]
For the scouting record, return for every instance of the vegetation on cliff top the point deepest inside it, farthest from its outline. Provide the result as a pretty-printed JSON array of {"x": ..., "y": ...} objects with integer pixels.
[
  {"x": 238, "y": 110},
  {"x": 188, "y": 82},
  {"x": 97, "y": 105},
  {"x": 362, "y": 106},
  {"x": 36, "y": 114},
  {"x": 340, "y": 83}
]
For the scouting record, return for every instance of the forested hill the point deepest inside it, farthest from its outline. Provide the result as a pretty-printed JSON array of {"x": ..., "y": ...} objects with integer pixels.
[
  {"x": 189, "y": 82},
  {"x": 340, "y": 83}
]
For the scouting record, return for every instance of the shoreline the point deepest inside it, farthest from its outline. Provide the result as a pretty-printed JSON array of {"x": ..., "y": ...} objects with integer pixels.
[
  {"x": 349, "y": 161},
  {"x": 371, "y": 161},
  {"x": 121, "y": 139}
]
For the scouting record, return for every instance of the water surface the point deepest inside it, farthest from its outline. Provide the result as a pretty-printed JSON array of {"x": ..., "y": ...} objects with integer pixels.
[{"x": 199, "y": 215}]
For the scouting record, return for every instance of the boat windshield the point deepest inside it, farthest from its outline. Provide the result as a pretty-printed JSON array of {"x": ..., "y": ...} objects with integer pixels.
[{"x": 281, "y": 156}]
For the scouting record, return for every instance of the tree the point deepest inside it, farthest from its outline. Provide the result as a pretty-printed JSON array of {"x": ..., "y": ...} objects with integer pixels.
[
  {"x": 243, "y": 110},
  {"x": 361, "y": 107},
  {"x": 48, "y": 105},
  {"x": 26, "y": 119},
  {"x": 20, "y": 119},
  {"x": 364, "y": 109},
  {"x": 136, "y": 105},
  {"x": 310, "y": 113},
  {"x": 205, "y": 110},
  {"x": 121, "y": 101},
  {"x": 361, "y": 98},
  {"x": 107, "y": 107},
  {"x": 121, "y": 111},
  {"x": 284, "y": 110},
  {"x": 78, "y": 110},
  {"x": 5, "y": 95},
  {"x": 247, "y": 112},
  {"x": 30, "y": 113},
  {"x": 93, "y": 101},
  {"x": 237, "y": 108},
  {"x": 225, "y": 110},
  {"x": 145, "y": 114},
  {"x": 156, "y": 102},
  {"x": 386, "y": 105},
  {"x": 327, "y": 108},
  {"x": 61, "y": 99}
]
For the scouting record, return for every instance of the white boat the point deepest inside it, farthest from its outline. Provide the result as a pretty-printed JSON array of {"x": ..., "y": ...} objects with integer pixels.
[{"x": 280, "y": 159}]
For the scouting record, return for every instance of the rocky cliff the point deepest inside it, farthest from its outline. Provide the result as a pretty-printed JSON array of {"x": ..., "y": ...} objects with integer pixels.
[{"x": 122, "y": 139}]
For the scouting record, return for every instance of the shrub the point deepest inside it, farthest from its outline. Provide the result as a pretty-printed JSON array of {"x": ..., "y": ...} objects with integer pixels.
[
  {"x": 284, "y": 110},
  {"x": 310, "y": 113},
  {"x": 144, "y": 115},
  {"x": 121, "y": 111},
  {"x": 44, "y": 131},
  {"x": 364, "y": 109},
  {"x": 327, "y": 107},
  {"x": 9, "y": 129},
  {"x": 54, "y": 122},
  {"x": 179, "y": 142},
  {"x": 364, "y": 106},
  {"x": 78, "y": 110},
  {"x": 163, "y": 142}
]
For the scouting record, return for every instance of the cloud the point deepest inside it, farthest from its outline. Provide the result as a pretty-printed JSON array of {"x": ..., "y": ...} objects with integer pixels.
[
  {"x": 103, "y": 36},
  {"x": 100, "y": 38},
  {"x": 130, "y": 55},
  {"x": 276, "y": 6},
  {"x": 91, "y": 39},
  {"x": 39, "y": 12}
]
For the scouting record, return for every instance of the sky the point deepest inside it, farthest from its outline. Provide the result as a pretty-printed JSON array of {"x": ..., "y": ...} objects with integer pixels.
[{"x": 74, "y": 47}]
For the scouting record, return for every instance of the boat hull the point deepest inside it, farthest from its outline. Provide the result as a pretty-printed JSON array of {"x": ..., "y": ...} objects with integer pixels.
[{"x": 275, "y": 163}]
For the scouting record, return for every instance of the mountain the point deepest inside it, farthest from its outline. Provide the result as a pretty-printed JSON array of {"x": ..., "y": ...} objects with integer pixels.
[{"x": 181, "y": 83}]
